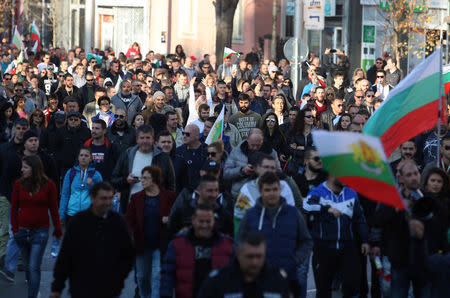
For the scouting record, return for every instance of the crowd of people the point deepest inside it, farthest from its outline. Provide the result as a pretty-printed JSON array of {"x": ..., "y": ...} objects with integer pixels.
[{"x": 113, "y": 147}]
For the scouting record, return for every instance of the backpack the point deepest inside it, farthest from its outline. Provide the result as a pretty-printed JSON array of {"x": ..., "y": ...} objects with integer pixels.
[{"x": 72, "y": 174}]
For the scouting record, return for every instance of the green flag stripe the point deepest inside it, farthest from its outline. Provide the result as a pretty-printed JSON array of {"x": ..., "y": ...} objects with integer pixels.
[
  {"x": 410, "y": 99},
  {"x": 343, "y": 165},
  {"x": 217, "y": 132}
]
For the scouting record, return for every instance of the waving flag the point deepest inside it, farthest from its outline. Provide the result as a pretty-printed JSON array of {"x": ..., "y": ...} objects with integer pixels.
[
  {"x": 446, "y": 77},
  {"x": 36, "y": 36},
  {"x": 359, "y": 162},
  {"x": 411, "y": 107},
  {"x": 216, "y": 131},
  {"x": 17, "y": 40},
  {"x": 96, "y": 57},
  {"x": 228, "y": 53}
]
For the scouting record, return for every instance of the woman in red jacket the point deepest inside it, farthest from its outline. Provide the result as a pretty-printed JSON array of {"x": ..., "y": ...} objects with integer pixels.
[
  {"x": 135, "y": 49},
  {"x": 147, "y": 218},
  {"x": 32, "y": 197}
]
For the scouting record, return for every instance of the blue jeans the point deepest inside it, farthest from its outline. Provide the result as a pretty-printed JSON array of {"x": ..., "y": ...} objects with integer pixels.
[
  {"x": 148, "y": 268},
  {"x": 12, "y": 253},
  {"x": 32, "y": 244},
  {"x": 302, "y": 273},
  {"x": 400, "y": 282}
]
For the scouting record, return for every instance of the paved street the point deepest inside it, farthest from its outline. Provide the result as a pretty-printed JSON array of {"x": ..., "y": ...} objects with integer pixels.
[{"x": 18, "y": 290}]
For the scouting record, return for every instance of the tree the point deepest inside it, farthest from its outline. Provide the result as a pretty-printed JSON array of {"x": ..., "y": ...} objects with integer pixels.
[
  {"x": 404, "y": 28},
  {"x": 225, "y": 10}
]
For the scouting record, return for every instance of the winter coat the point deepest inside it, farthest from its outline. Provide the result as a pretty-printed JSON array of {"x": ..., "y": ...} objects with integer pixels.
[
  {"x": 132, "y": 107},
  {"x": 178, "y": 269},
  {"x": 288, "y": 241},
  {"x": 124, "y": 167},
  {"x": 331, "y": 232},
  {"x": 75, "y": 196},
  {"x": 123, "y": 142},
  {"x": 136, "y": 222},
  {"x": 68, "y": 143}
]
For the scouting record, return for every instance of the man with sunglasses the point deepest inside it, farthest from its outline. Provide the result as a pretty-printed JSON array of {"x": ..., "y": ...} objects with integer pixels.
[
  {"x": 313, "y": 174},
  {"x": 372, "y": 72},
  {"x": 189, "y": 158},
  {"x": 331, "y": 116},
  {"x": 381, "y": 88},
  {"x": 120, "y": 133},
  {"x": 369, "y": 100},
  {"x": 19, "y": 91},
  {"x": 88, "y": 90}
]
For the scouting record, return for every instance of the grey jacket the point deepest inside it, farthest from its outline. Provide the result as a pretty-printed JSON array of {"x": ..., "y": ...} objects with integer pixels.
[
  {"x": 132, "y": 107},
  {"x": 233, "y": 168}
]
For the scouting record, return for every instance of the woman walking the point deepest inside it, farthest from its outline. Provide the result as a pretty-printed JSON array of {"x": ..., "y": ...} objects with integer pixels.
[{"x": 32, "y": 197}]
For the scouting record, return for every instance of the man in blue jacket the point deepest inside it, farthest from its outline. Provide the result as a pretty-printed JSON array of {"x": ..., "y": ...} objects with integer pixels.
[
  {"x": 288, "y": 240},
  {"x": 334, "y": 213}
]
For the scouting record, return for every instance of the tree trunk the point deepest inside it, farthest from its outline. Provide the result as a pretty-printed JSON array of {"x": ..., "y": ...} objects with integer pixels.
[
  {"x": 225, "y": 10},
  {"x": 273, "y": 44}
]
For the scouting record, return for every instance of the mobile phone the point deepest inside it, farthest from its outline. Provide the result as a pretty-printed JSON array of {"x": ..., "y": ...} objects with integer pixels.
[{"x": 333, "y": 51}]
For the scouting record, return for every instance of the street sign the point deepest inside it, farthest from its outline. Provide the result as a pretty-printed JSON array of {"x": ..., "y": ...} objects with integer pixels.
[
  {"x": 314, "y": 14},
  {"x": 289, "y": 50}
]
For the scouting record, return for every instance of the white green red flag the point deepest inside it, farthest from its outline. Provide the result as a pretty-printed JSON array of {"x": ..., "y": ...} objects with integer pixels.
[
  {"x": 17, "y": 40},
  {"x": 411, "y": 107},
  {"x": 359, "y": 162},
  {"x": 36, "y": 36},
  {"x": 216, "y": 131},
  {"x": 446, "y": 78},
  {"x": 228, "y": 53}
]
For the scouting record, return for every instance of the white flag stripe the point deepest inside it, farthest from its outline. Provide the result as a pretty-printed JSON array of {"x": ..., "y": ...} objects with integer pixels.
[{"x": 336, "y": 143}]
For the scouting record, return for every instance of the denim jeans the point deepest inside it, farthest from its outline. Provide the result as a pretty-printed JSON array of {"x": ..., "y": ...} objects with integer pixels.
[
  {"x": 148, "y": 267},
  {"x": 401, "y": 279},
  {"x": 32, "y": 244},
  {"x": 12, "y": 253},
  {"x": 302, "y": 274}
]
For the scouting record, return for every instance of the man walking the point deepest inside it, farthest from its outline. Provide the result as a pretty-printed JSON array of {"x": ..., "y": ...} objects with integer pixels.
[{"x": 97, "y": 252}]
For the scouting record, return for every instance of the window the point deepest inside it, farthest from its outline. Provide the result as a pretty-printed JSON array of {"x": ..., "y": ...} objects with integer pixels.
[
  {"x": 238, "y": 23},
  {"x": 187, "y": 18}
]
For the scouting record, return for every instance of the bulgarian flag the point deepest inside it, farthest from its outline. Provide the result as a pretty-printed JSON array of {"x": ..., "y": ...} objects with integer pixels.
[
  {"x": 17, "y": 40},
  {"x": 216, "y": 131},
  {"x": 35, "y": 35},
  {"x": 411, "y": 107},
  {"x": 359, "y": 162},
  {"x": 446, "y": 77},
  {"x": 228, "y": 53}
]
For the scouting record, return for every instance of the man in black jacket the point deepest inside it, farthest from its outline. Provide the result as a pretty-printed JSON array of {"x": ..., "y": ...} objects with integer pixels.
[
  {"x": 120, "y": 133},
  {"x": 249, "y": 275},
  {"x": 68, "y": 89},
  {"x": 69, "y": 140},
  {"x": 207, "y": 193},
  {"x": 97, "y": 252},
  {"x": 331, "y": 116},
  {"x": 126, "y": 174}
]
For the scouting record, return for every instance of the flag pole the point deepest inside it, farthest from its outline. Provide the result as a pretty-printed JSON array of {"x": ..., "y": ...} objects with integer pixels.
[{"x": 439, "y": 108}]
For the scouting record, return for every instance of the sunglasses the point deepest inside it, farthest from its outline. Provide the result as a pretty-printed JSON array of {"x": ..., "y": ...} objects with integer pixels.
[
  {"x": 309, "y": 116},
  {"x": 120, "y": 116},
  {"x": 212, "y": 154},
  {"x": 7, "y": 79},
  {"x": 89, "y": 80},
  {"x": 18, "y": 90},
  {"x": 187, "y": 134},
  {"x": 270, "y": 120},
  {"x": 380, "y": 76},
  {"x": 359, "y": 96},
  {"x": 328, "y": 94},
  {"x": 370, "y": 95},
  {"x": 316, "y": 158}
]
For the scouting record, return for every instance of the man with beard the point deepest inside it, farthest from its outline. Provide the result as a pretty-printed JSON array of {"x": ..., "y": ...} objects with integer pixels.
[
  {"x": 120, "y": 133},
  {"x": 203, "y": 114},
  {"x": 114, "y": 72},
  {"x": 407, "y": 151},
  {"x": 335, "y": 215},
  {"x": 313, "y": 174},
  {"x": 68, "y": 89},
  {"x": 174, "y": 128},
  {"x": 131, "y": 103},
  {"x": 245, "y": 119},
  {"x": 320, "y": 102}
]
